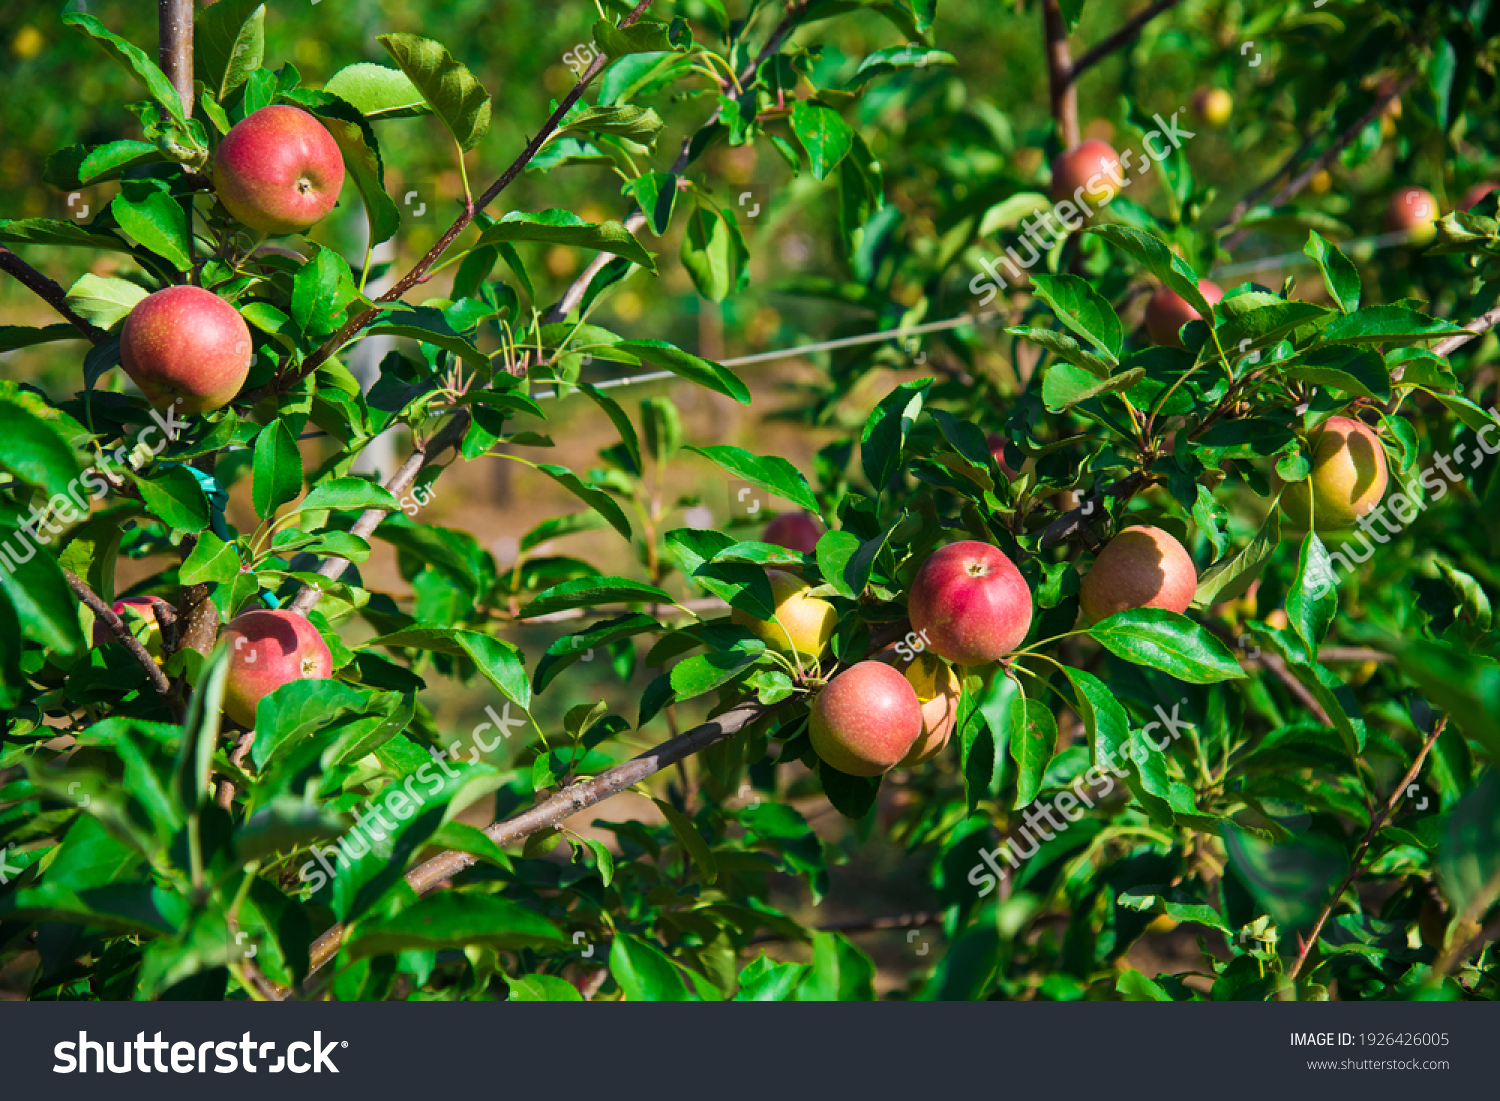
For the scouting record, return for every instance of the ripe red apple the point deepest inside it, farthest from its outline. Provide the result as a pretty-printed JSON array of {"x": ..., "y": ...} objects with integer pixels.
[
  {"x": 938, "y": 691},
  {"x": 1141, "y": 567},
  {"x": 103, "y": 633},
  {"x": 279, "y": 170},
  {"x": 866, "y": 720},
  {"x": 269, "y": 648},
  {"x": 186, "y": 345},
  {"x": 1474, "y": 194},
  {"x": 795, "y": 531},
  {"x": 1168, "y": 312},
  {"x": 1091, "y": 165},
  {"x": 806, "y": 622},
  {"x": 1213, "y": 106},
  {"x": 970, "y": 603},
  {"x": 1414, "y": 210},
  {"x": 996, "y": 444},
  {"x": 1348, "y": 476}
]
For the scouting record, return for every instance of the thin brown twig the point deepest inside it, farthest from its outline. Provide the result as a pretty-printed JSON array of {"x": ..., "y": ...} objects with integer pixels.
[
  {"x": 1447, "y": 346},
  {"x": 1062, "y": 91},
  {"x": 1125, "y": 35},
  {"x": 1295, "y": 185},
  {"x": 103, "y": 611},
  {"x": 1359, "y": 854},
  {"x": 427, "y": 877},
  {"x": 49, "y": 292}
]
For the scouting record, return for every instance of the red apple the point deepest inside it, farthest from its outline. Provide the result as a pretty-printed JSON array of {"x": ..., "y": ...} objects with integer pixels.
[
  {"x": 1168, "y": 312},
  {"x": 1093, "y": 166},
  {"x": 866, "y": 721},
  {"x": 279, "y": 170},
  {"x": 1474, "y": 194},
  {"x": 938, "y": 691},
  {"x": 185, "y": 345},
  {"x": 996, "y": 444},
  {"x": 796, "y": 531},
  {"x": 970, "y": 604},
  {"x": 103, "y": 633},
  {"x": 1414, "y": 210},
  {"x": 1141, "y": 567},
  {"x": 269, "y": 648}
]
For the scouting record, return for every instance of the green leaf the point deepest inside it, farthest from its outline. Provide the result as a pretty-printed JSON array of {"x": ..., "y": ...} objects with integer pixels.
[
  {"x": 321, "y": 291},
  {"x": 542, "y": 988},
  {"x": 429, "y": 326},
  {"x": 104, "y": 301},
  {"x": 228, "y": 42},
  {"x": 644, "y": 973},
  {"x": 1135, "y": 987},
  {"x": 840, "y": 972},
  {"x": 39, "y": 594},
  {"x": 764, "y": 980},
  {"x": 1469, "y": 859},
  {"x": 590, "y": 592},
  {"x": 1292, "y": 881},
  {"x": 200, "y": 733},
  {"x": 851, "y": 796},
  {"x": 1231, "y": 577},
  {"x": 1082, "y": 309},
  {"x": 47, "y": 231},
  {"x": 691, "y": 840},
  {"x": 501, "y": 662},
  {"x": 656, "y": 192},
  {"x": 349, "y": 495},
  {"x": 1033, "y": 739},
  {"x": 447, "y": 86},
  {"x": 362, "y": 161},
  {"x": 894, "y": 59},
  {"x": 377, "y": 92},
  {"x": 174, "y": 495},
  {"x": 1160, "y": 261},
  {"x": 771, "y": 473},
  {"x": 835, "y": 549},
  {"x": 1386, "y": 325},
  {"x": 1355, "y": 371},
  {"x": 638, "y": 38},
  {"x": 714, "y": 254},
  {"x": 579, "y": 646},
  {"x": 638, "y": 124},
  {"x": 596, "y": 499},
  {"x": 693, "y": 676},
  {"x": 620, "y": 420},
  {"x": 158, "y": 223},
  {"x": 32, "y": 449},
  {"x": 1339, "y": 274},
  {"x": 1313, "y": 599},
  {"x": 455, "y": 919},
  {"x": 826, "y": 137},
  {"x": 278, "y": 469},
  {"x": 1064, "y": 347},
  {"x": 1167, "y": 641},
  {"x": 883, "y": 440},
  {"x": 134, "y": 60},
  {"x": 719, "y": 379},
  {"x": 212, "y": 560},
  {"x": 563, "y": 227},
  {"x": 1065, "y": 385}
]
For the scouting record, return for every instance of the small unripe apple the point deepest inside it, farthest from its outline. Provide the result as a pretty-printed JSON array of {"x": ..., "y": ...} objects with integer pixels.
[
  {"x": 1474, "y": 194},
  {"x": 186, "y": 345},
  {"x": 795, "y": 531},
  {"x": 996, "y": 444},
  {"x": 1091, "y": 165},
  {"x": 866, "y": 720},
  {"x": 279, "y": 170},
  {"x": 1213, "y": 106},
  {"x": 1141, "y": 567},
  {"x": 938, "y": 691},
  {"x": 806, "y": 622},
  {"x": 269, "y": 648},
  {"x": 1167, "y": 312},
  {"x": 1348, "y": 476},
  {"x": 1414, "y": 210},
  {"x": 970, "y": 603},
  {"x": 1321, "y": 182},
  {"x": 103, "y": 633}
]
